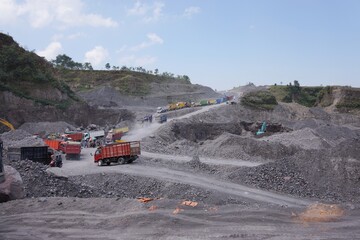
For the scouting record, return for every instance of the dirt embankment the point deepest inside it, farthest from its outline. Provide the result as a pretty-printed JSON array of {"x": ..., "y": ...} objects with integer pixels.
[
  {"x": 310, "y": 155},
  {"x": 18, "y": 111},
  {"x": 160, "y": 95}
]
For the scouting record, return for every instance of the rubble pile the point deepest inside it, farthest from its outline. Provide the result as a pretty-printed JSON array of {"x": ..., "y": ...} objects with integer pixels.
[
  {"x": 328, "y": 175},
  {"x": 303, "y": 138},
  {"x": 43, "y": 128},
  {"x": 39, "y": 183},
  {"x": 318, "y": 159},
  {"x": 20, "y": 138},
  {"x": 112, "y": 185},
  {"x": 311, "y": 158}
]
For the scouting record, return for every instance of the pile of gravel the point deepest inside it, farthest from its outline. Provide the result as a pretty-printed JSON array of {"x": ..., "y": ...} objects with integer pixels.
[
  {"x": 122, "y": 185},
  {"x": 43, "y": 128},
  {"x": 304, "y": 138},
  {"x": 331, "y": 175},
  {"x": 20, "y": 138},
  {"x": 39, "y": 183}
]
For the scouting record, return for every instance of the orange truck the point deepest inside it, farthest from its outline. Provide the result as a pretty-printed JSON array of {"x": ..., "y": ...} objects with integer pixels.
[
  {"x": 123, "y": 152},
  {"x": 53, "y": 143},
  {"x": 71, "y": 149}
]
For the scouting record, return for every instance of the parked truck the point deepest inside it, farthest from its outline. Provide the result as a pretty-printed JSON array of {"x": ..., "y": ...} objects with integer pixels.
[
  {"x": 71, "y": 149},
  {"x": 53, "y": 143},
  {"x": 94, "y": 134},
  {"x": 116, "y": 134},
  {"x": 37, "y": 154},
  {"x": 75, "y": 136},
  {"x": 123, "y": 152},
  {"x": 161, "y": 118}
]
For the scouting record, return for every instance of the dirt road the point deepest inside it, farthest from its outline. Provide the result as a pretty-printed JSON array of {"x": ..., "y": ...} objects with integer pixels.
[
  {"x": 145, "y": 129},
  {"x": 86, "y": 166},
  {"x": 213, "y": 161},
  {"x": 260, "y": 215},
  {"x": 71, "y": 218}
]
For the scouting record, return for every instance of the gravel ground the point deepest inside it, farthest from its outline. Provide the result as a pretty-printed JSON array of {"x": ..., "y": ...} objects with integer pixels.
[
  {"x": 46, "y": 127},
  {"x": 318, "y": 159},
  {"x": 20, "y": 138}
]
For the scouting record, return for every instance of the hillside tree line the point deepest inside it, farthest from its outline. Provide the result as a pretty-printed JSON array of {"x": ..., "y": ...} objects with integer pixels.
[{"x": 62, "y": 61}]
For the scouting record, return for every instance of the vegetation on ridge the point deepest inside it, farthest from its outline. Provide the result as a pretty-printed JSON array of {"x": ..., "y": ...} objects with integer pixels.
[
  {"x": 259, "y": 100},
  {"x": 21, "y": 71}
]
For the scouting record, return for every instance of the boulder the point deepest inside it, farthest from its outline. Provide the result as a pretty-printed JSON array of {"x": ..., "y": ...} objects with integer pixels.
[{"x": 13, "y": 187}]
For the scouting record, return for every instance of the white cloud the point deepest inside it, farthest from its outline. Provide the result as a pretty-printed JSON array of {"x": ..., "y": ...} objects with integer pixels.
[
  {"x": 41, "y": 13},
  {"x": 156, "y": 12},
  {"x": 190, "y": 11},
  {"x": 8, "y": 11},
  {"x": 138, "y": 9},
  {"x": 51, "y": 51},
  {"x": 130, "y": 59},
  {"x": 96, "y": 56},
  {"x": 153, "y": 39},
  {"x": 149, "y": 13}
]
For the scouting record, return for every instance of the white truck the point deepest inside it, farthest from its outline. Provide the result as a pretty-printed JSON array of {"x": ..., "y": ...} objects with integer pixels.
[
  {"x": 98, "y": 137},
  {"x": 94, "y": 134}
]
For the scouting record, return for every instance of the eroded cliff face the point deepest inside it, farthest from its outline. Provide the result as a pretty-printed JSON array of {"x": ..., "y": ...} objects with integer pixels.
[
  {"x": 19, "y": 110},
  {"x": 341, "y": 99}
]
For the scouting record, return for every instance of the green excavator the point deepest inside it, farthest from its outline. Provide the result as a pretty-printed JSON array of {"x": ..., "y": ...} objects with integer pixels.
[{"x": 262, "y": 130}]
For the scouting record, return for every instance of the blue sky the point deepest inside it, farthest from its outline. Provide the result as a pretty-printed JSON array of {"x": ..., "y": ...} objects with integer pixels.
[{"x": 220, "y": 44}]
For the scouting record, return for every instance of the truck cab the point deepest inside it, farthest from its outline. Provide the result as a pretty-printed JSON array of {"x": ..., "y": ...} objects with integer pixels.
[{"x": 97, "y": 155}]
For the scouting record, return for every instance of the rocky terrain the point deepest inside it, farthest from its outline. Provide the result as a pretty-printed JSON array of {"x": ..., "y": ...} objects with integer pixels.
[
  {"x": 306, "y": 157},
  {"x": 203, "y": 174}
]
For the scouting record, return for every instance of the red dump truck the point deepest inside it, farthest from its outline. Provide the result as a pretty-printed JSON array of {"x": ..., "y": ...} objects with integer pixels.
[
  {"x": 75, "y": 136},
  {"x": 72, "y": 150},
  {"x": 53, "y": 143},
  {"x": 124, "y": 152}
]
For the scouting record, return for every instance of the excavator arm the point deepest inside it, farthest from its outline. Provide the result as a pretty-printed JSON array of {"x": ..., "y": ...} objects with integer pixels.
[{"x": 6, "y": 123}]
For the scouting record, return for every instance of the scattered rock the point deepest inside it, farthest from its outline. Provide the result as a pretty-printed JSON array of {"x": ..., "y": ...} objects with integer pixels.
[{"x": 13, "y": 187}]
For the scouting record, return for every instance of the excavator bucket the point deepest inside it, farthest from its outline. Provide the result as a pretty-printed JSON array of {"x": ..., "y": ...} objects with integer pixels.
[{"x": 6, "y": 123}]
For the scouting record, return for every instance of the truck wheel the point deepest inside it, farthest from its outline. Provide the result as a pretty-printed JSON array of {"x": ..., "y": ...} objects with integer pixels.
[
  {"x": 108, "y": 163},
  {"x": 122, "y": 160},
  {"x": 100, "y": 163}
]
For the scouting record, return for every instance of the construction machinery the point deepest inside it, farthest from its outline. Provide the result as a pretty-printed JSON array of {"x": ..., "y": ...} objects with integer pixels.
[
  {"x": 6, "y": 123},
  {"x": 114, "y": 135},
  {"x": 161, "y": 118},
  {"x": 262, "y": 130}
]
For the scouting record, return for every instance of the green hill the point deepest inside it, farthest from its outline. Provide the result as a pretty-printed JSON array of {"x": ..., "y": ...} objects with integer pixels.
[
  {"x": 127, "y": 82},
  {"x": 30, "y": 90},
  {"x": 29, "y": 76}
]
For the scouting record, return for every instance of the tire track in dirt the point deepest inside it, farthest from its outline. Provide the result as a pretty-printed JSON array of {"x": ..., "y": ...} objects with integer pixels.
[
  {"x": 176, "y": 176},
  {"x": 92, "y": 222},
  {"x": 212, "y": 161}
]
